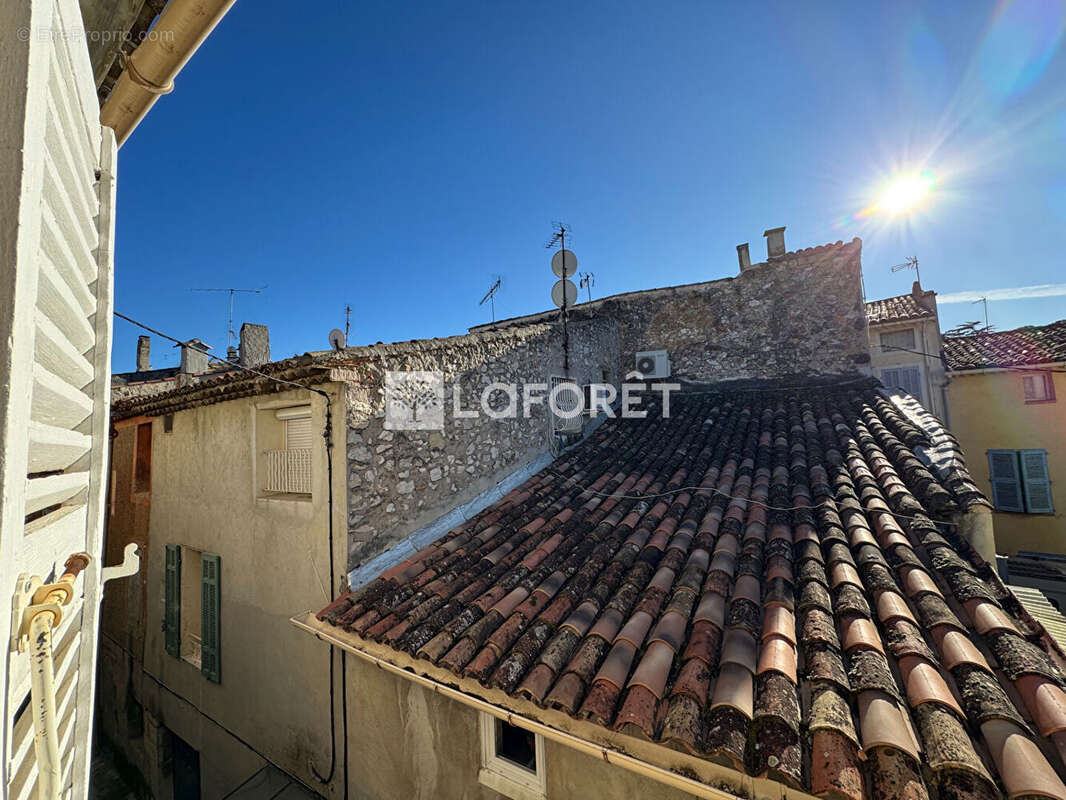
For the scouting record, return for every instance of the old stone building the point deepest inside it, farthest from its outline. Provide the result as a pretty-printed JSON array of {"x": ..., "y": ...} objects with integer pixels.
[{"x": 520, "y": 507}]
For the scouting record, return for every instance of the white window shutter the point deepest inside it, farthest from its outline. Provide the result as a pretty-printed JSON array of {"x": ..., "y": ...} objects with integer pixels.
[
  {"x": 1037, "y": 482},
  {"x": 57, "y": 184},
  {"x": 298, "y": 434},
  {"x": 1006, "y": 485}
]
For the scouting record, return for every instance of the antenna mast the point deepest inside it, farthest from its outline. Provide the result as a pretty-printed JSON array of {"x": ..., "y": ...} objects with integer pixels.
[
  {"x": 910, "y": 263},
  {"x": 347, "y": 321},
  {"x": 230, "y": 335},
  {"x": 564, "y": 293},
  {"x": 490, "y": 297},
  {"x": 984, "y": 301},
  {"x": 588, "y": 280}
]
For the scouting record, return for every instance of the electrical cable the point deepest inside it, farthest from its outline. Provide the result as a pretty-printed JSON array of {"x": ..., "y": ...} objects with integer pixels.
[
  {"x": 747, "y": 500},
  {"x": 1011, "y": 368},
  {"x": 327, "y": 434}
]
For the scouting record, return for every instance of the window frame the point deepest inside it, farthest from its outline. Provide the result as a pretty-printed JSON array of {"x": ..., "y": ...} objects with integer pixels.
[
  {"x": 1049, "y": 388},
  {"x": 142, "y": 467},
  {"x": 264, "y": 435},
  {"x": 207, "y": 589},
  {"x": 919, "y": 384},
  {"x": 505, "y": 776}
]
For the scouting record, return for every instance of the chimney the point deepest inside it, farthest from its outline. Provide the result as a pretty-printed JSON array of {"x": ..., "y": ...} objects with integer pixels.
[
  {"x": 923, "y": 298},
  {"x": 144, "y": 348},
  {"x": 775, "y": 242},
  {"x": 255, "y": 345},
  {"x": 193, "y": 357},
  {"x": 743, "y": 256}
]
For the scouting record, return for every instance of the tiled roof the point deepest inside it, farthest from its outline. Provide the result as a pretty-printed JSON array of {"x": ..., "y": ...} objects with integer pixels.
[
  {"x": 759, "y": 580},
  {"x": 896, "y": 309},
  {"x": 1033, "y": 344}
]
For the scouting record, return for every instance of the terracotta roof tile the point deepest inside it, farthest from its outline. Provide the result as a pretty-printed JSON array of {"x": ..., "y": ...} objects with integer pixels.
[
  {"x": 1034, "y": 344},
  {"x": 711, "y": 620}
]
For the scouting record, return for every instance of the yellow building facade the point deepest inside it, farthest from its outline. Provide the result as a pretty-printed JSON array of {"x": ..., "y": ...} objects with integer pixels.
[{"x": 1011, "y": 422}]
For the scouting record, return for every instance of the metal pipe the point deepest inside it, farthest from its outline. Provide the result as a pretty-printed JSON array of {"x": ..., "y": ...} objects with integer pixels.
[
  {"x": 42, "y": 681},
  {"x": 150, "y": 70}
]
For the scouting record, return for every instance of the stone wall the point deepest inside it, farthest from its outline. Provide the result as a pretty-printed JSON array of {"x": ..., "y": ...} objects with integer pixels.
[
  {"x": 400, "y": 481},
  {"x": 799, "y": 314}
]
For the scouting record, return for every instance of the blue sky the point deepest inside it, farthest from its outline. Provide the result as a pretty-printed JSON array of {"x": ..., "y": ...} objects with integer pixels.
[{"x": 396, "y": 157}]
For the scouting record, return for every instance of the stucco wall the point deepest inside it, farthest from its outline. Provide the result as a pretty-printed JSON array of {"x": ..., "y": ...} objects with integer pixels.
[
  {"x": 405, "y": 741},
  {"x": 399, "y": 481},
  {"x": 926, "y": 340},
  {"x": 989, "y": 412},
  {"x": 274, "y": 690}
]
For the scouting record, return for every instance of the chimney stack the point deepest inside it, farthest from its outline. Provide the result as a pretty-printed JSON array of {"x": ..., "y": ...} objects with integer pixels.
[
  {"x": 255, "y": 345},
  {"x": 775, "y": 242},
  {"x": 144, "y": 349},
  {"x": 743, "y": 256},
  {"x": 193, "y": 357}
]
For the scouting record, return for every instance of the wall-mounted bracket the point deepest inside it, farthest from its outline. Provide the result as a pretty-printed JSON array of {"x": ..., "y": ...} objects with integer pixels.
[
  {"x": 24, "y": 607},
  {"x": 131, "y": 564}
]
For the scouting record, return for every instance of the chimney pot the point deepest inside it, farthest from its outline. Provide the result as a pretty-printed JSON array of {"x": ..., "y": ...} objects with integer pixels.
[
  {"x": 775, "y": 242},
  {"x": 144, "y": 349},
  {"x": 744, "y": 256},
  {"x": 255, "y": 345}
]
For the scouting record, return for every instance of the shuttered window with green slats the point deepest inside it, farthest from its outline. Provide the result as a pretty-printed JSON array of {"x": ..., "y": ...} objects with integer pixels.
[
  {"x": 211, "y": 621},
  {"x": 172, "y": 611},
  {"x": 206, "y": 649}
]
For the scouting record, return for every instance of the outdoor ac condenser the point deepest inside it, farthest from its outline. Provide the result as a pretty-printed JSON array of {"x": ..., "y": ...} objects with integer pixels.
[{"x": 653, "y": 364}]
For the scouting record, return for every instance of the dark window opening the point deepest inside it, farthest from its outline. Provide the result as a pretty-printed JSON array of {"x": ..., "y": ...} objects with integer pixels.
[
  {"x": 516, "y": 745},
  {"x": 142, "y": 466},
  {"x": 168, "y": 423}
]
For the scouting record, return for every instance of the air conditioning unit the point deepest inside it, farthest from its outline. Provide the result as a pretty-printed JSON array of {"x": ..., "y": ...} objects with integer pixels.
[{"x": 653, "y": 364}]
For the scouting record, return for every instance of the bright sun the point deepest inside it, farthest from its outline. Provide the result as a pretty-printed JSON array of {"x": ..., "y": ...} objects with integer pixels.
[{"x": 905, "y": 193}]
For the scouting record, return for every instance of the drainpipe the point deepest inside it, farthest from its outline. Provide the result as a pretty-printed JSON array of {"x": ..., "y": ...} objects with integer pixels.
[
  {"x": 38, "y": 621},
  {"x": 150, "y": 70}
]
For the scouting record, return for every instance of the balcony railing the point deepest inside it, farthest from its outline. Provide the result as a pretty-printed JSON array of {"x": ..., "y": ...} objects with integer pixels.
[{"x": 289, "y": 471}]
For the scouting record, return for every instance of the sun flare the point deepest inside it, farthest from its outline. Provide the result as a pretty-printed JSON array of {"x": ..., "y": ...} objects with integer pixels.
[{"x": 905, "y": 193}]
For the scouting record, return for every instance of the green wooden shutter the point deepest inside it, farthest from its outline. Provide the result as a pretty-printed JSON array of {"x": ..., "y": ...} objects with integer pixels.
[
  {"x": 1037, "y": 482},
  {"x": 211, "y": 620},
  {"x": 172, "y": 602},
  {"x": 1006, "y": 485}
]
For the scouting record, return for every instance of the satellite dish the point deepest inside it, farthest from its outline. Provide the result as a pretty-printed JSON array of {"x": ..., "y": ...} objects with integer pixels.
[
  {"x": 336, "y": 339},
  {"x": 564, "y": 290},
  {"x": 564, "y": 264}
]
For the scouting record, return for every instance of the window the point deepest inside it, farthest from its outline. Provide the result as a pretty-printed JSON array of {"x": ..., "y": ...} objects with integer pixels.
[
  {"x": 909, "y": 379},
  {"x": 512, "y": 760},
  {"x": 1038, "y": 387},
  {"x": 288, "y": 438},
  {"x": 897, "y": 340},
  {"x": 142, "y": 460},
  {"x": 1020, "y": 481},
  {"x": 192, "y": 627}
]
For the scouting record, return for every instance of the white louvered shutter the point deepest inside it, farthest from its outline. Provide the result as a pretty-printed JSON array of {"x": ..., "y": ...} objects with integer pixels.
[
  {"x": 57, "y": 194},
  {"x": 1036, "y": 480},
  {"x": 1004, "y": 476},
  {"x": 298, "y": 434}
]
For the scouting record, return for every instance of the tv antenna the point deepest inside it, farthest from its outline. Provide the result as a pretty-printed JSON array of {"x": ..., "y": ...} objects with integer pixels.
[
  {"x": 230, "y": 335},
  {"x": 588, "y": 280},
  {"x": 564, "y": 293},
  {"x": 490, "y": 297},
  {"x": 910, "y": 263},
  {"x": 347, "y": 322},
  {"x": 984, "y": 301}
]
